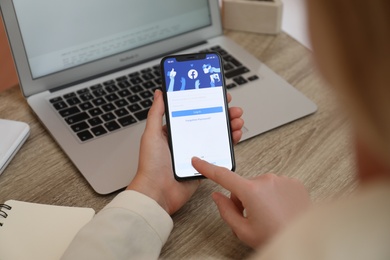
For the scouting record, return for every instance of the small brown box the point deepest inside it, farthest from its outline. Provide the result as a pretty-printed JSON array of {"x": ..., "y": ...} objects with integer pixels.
[{"x": 253, "y": 15}]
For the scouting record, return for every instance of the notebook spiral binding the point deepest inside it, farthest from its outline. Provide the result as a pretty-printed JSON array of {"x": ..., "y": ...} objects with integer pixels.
[{"x": 4, "y": 214}]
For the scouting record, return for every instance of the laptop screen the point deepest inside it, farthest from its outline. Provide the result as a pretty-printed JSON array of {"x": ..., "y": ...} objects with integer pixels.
[{"x": 59, "y": 35}]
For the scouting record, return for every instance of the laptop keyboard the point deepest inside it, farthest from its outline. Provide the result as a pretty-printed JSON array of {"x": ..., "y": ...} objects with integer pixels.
[{"x": 117, "y": 103}]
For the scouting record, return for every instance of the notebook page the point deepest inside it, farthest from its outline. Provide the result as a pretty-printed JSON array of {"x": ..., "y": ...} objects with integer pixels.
[{"x": 38, "y": 231}]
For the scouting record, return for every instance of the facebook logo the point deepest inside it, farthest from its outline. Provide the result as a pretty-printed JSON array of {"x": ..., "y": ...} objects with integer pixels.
[{"x": 192, "y": 74}]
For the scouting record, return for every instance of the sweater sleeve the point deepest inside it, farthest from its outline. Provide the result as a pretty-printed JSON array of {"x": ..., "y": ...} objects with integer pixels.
[{"x": 131, "y": 226}]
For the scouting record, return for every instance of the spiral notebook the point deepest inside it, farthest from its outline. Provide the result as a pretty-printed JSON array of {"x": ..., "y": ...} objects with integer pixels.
[{"x": 38, "y": 231}]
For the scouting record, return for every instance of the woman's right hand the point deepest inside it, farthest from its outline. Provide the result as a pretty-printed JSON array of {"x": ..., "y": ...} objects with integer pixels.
[{"x": 257, "y": 208}]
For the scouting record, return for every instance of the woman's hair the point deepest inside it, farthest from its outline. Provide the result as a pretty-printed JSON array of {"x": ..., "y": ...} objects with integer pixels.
[{"x": 351, "y": 41}]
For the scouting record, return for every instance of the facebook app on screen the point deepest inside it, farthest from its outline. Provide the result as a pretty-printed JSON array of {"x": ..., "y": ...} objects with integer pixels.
[{"x": 197, "y": 113}]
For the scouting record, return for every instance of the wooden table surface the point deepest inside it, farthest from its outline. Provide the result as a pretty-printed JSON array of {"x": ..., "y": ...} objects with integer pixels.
[{"x": 315, "y": 149}]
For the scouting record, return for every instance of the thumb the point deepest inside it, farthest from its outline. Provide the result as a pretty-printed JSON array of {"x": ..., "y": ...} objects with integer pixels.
[{"x": 230, "y": 213}]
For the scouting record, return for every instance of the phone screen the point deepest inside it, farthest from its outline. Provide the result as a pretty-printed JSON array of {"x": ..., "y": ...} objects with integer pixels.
[{"x": 196, "y": 112}]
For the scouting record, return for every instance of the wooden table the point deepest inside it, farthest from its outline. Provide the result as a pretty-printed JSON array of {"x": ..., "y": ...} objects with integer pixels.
[{"x": 315, "y": 149}]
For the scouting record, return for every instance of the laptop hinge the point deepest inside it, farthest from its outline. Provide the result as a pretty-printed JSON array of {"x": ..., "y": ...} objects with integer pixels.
[{"x": 124, "y": 67}]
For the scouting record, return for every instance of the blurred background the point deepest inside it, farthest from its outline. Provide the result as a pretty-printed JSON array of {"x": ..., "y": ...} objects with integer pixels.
[{"x": 8, "y": 76}]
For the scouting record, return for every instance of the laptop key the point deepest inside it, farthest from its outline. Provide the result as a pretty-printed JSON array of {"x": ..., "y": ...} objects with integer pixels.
[
  {"x": 99, "y": 92},
  {"x": 134, "y": 107},
  {"x": 231, "y": 85},
  {"x": 136, "y": 80},
  {"x": 228, "y": 66},
  {"x": 108, "y": 107},
  {"x": 73, "y": 101},
  {"x": 121, "y": 78},
  {"x": 142, "y": 115},
  {"x": 124, "y": 84},
  {"x": 232, "y": 60},
  {"x": 56, "y": 99},
  {"x": 146, "y": 94},
  {"x": 124, "y": 93},
  {"x": 240, "y": 80},
  {"x": 109, "y": 82},
  {"x": 146, "y": 103},
  {"x": 69, "y": 95},
  {"x": 86, "y": 96},
  {"x": 134, "y": 74},
  {"x": 149, "y": 84},
  {"x": 147, "y": 70},
  {"x": 121, "y": 112},
  {"x": 148, "y": 76},
  {"x": 86, "y": 106},
  {"x": 82, "y": 91},
  {"x": 111, "y": 97},
  {"x": 69, "y": 111},
  {"x": 252, "y": 78},
  {"x": 97, "y": 86},
  {"x": 112, "y": 126},
  {"x": 108, "y": 117},
  {"x": 79, "y": 127},
  {"x": 158, "y": 81},
  {"x": 222, "y": 52},
  {"x": 60, "y": 105},
  {"x": 77, "y": 118},
  {"x": 95, "y": 121},
  {"x": 216, "y": 48},
  {"x": 111, "y": 88},
  {"x": 99, "y": 130},
  {"x": 236, "y": 72},
  {"x": 157, "y": 73},
  {"x": 127, "y": 120},
  {"x": 84, "y": 135},
  {"x": 136, "y": 89},
  {"x": 121, "y": 103},
  {"x": 99, "y": 101},
  {"x": 95, "y": 111},
  {"x": 134, "y": 98}
]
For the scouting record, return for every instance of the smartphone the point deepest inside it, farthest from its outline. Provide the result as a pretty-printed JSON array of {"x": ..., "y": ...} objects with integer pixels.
[{"x": 196, "y": 111}]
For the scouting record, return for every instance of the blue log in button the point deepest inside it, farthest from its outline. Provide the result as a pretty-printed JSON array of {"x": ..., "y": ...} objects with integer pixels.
[{"x": 198, "y": 111}]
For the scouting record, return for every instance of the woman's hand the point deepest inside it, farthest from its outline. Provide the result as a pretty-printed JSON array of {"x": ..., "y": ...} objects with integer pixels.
[
  {"x": 154, "y": 177},
  {"x": 257, "y": 208}
]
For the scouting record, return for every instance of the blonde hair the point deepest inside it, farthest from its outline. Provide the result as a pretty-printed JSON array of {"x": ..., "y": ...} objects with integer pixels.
[{"x": 353, "y": 52}]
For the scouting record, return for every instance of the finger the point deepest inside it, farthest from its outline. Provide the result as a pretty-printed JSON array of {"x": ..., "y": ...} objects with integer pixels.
[
  {"x": 227, "y": 179},
  {"x": 229, "y": 97},
  {"x": 237, "y": 202},
  {"x": 236, "y": 124},
  {"x": 229, "y": 212},
  {"x": 236, "y": 136},
  {"x": 235, "y": 112},
  {"x": 156, "y": 112}
]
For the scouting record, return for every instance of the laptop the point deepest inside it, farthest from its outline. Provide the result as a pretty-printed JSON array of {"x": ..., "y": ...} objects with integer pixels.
[{"x": 88, "y": 70}]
